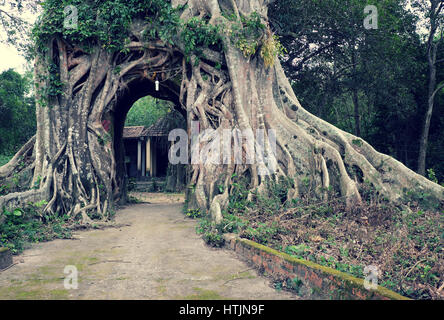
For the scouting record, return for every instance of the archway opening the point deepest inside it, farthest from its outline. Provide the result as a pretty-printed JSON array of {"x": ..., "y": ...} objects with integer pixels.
[
  {"x": 141, "y": 149},
  {"x": 145, "y": 138}
]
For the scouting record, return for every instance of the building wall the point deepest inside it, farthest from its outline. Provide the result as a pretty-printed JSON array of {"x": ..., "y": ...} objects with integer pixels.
[
  {"x": 154, "y": 155},
  {"x": 131, "y": 153}
]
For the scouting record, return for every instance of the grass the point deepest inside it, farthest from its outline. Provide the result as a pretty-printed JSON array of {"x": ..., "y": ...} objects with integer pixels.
[
  {"x": 405, "y": 246},
  {"x": 134, "y": 200},
  {"x": 32, "y": 293},
  {"x": 203, "y": 294}
]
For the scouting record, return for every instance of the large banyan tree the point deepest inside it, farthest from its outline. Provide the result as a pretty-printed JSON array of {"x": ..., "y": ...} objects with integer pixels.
[{"x": 218, "y": 61}]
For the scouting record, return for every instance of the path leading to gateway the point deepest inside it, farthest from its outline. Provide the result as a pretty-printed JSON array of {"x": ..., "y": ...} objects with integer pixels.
[{"x": 154, "y": 254}]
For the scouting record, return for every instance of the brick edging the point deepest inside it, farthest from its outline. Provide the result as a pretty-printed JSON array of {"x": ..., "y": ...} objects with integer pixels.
[
  {"x": 317, "y": 282},
  {"x": 5, "y": 258}
]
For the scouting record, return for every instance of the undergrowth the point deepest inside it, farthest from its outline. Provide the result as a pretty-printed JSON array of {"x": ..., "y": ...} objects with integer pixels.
[
  {"x": 405, "y": 244},
  {"x": 20, "y": 228},
  {"x": 4, "y": 159}
]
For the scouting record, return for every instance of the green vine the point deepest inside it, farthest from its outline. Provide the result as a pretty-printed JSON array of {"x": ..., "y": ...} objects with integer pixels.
[
  {"x": 53, "y": 85},
  {"x": 198, "y": 34},
  {"x": 106, "y": 23},
  {"x": 271, "y": 48},
  {"x": 247, "y": 33}
]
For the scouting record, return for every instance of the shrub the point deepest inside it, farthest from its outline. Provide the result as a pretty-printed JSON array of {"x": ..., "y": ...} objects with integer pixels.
[
  {"x": 24, "y": 226},
  {"x": 214, "y": 238},
  {"x": 193, "y": 213}
]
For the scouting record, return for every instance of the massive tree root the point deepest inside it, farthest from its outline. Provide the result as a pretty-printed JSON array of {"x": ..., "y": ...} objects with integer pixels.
[
  {"x": 77, "y": 154},
  {"x": 306, "y": 147},
  {"x": 74, "y": 151}
]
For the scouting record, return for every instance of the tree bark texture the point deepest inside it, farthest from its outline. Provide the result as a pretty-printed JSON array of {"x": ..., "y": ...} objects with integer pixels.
[
  {"x": 77, "y": 153},
  {"x": 432, "y": 49}
]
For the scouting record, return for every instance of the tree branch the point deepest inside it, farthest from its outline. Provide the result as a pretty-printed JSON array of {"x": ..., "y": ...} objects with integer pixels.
[{"x": 437, "y": 90}]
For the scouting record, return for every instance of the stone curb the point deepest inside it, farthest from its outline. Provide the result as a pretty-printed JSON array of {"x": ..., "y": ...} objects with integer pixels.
[{"x": 319, "y": 282}]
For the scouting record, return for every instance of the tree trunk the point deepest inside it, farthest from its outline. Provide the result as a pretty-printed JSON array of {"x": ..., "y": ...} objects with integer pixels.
[
  {"x": 355, "y": 96},
  {"x": 432, "y": 48},
  {"x": 357, "y": 116},
  {"x": 423, "y": 142},
  {"x": 77, "y": 156}
]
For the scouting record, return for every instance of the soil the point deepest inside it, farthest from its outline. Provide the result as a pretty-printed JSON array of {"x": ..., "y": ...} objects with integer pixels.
[
  {"x": 152, "y": 197},
  {"x": 152, "y": 252}
]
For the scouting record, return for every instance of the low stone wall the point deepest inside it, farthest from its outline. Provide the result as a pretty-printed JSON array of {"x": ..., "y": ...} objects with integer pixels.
[
  {"x": 5, "y": 258},
  {"x": 310, "y": 280}
]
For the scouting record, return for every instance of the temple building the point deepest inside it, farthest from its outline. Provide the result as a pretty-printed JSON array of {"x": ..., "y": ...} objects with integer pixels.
[{"x": 146, "y": 149}]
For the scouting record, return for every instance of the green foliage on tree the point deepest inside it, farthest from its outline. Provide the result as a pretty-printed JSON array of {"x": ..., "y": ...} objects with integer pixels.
[
  {"x": 17, "y": 111},
  {"x": 370, "y": 82},
  {"x": 146, "y": 111},
  {"x": 105, "y": 22}
]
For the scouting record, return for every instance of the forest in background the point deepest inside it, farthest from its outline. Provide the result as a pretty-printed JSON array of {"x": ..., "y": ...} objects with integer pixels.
[
  {"x": 146, "y": 111},
  {"x": 17, "y": 112},
  {"x": 372, "y": 83}
]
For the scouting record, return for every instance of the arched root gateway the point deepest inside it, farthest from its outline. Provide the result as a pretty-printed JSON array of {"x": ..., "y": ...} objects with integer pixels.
[{"x": 76, "y": 157}]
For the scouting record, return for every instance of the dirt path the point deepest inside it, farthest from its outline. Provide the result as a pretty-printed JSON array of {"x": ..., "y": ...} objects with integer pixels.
[{"x": 156, "y": 254}]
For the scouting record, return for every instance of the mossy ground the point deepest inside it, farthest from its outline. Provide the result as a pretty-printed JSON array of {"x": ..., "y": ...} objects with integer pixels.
[
  {"x": 203, "y": 294},
  {"x": 155, "y": 254}
]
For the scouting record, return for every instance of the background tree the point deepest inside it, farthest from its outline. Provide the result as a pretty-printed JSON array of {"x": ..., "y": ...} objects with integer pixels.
[
  {"x": 434, "y": 12},
  {"x": 146, "y": 111},
  {"x": 383, "y": 92},
  {"x": 230, "y": 78},
  {"x": 17, "y": 111}
]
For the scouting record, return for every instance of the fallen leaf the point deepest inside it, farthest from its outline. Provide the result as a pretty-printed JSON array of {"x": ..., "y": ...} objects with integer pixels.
[{"x": 317, "y": 239}]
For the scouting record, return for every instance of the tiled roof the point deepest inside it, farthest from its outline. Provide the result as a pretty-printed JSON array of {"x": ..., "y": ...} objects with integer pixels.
[
  {"x": 162, "y": 127},
  {"x": 133, "y": 132},
  {"x": 172, "y": 120}
]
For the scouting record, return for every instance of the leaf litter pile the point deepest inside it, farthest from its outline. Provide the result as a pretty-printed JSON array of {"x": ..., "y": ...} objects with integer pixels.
[{"x": 406, "y": 245}]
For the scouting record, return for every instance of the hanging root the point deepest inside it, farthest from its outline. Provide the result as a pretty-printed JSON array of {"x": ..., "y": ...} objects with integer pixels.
[
  {"x": 350, "y": 153},
  {"x": 252, "y": 96},
  {"x": 9, "y": 168}
]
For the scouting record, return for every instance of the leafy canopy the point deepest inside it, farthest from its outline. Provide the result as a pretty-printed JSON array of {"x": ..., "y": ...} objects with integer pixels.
[
  {"x": 107, "y": 23},
  {"x": 146, "y": 111}
]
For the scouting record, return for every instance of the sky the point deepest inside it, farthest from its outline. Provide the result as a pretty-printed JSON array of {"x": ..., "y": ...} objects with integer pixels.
[{"x": 9, "y": 56}]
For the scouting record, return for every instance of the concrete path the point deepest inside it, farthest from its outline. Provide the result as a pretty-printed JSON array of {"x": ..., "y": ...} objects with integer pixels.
[{"x": 155, "y": 254}]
